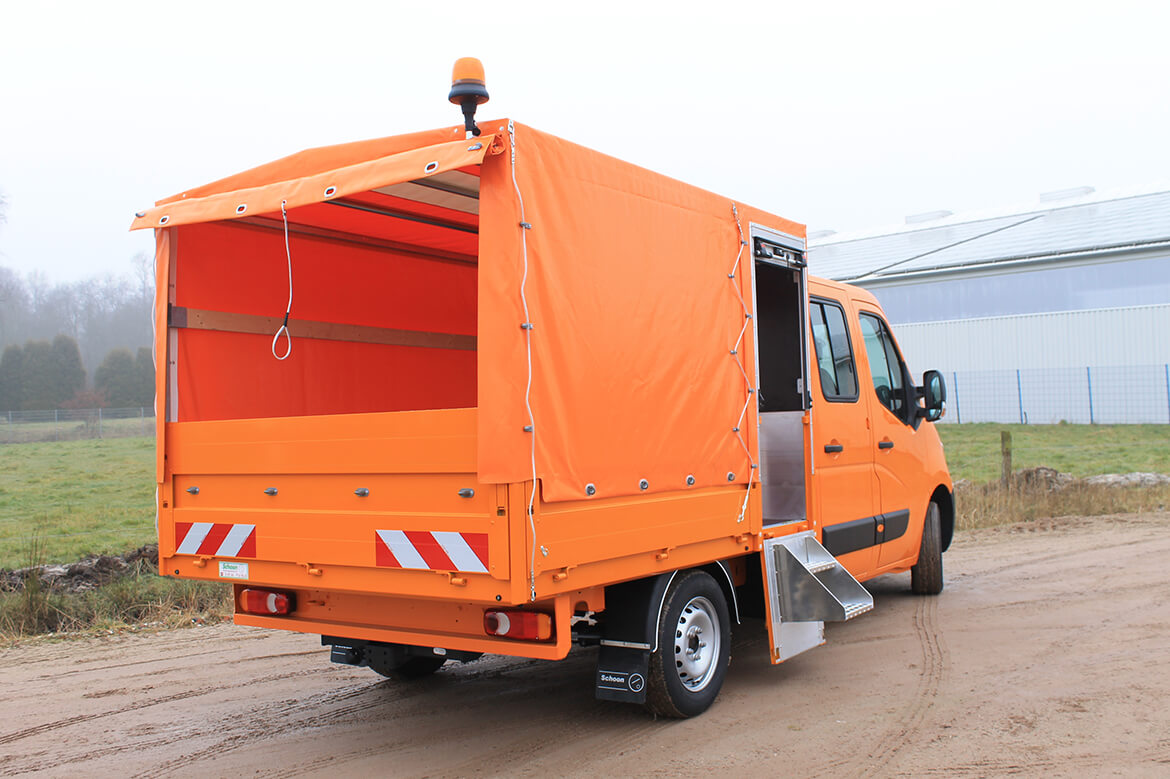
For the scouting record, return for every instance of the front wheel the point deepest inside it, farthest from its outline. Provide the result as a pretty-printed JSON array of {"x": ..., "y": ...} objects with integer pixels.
[
  {"x": 694, "y": 648},
  {"x": 926, "y": 577}
]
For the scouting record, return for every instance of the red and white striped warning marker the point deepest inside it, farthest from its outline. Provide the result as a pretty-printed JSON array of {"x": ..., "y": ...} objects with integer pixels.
[
  {"x": 215, "y": 539},
  {"x": 436, "y": 550}
]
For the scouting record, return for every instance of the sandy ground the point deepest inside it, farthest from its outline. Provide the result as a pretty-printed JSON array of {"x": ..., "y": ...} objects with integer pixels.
[{"x": 1048, "y": 654}]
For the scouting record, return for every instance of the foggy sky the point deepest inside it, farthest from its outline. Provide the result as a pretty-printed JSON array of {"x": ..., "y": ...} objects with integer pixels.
[{"x": 839, "y": 115}]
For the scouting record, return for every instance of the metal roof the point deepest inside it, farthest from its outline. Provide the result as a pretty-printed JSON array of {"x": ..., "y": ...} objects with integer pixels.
[{"x": 1045, "y": 231}]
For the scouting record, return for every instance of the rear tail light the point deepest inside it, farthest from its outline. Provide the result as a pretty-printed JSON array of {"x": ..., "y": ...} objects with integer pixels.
[
  {"x": 518, "y": 624},
  {"x": 254, "y": 601}
]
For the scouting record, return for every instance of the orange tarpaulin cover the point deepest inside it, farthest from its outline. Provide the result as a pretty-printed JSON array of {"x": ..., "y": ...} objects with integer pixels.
[
  {"x": 634, "y": 318},
  {"x": 626, "y": 278},
  {"x": 304, "y": 184}
]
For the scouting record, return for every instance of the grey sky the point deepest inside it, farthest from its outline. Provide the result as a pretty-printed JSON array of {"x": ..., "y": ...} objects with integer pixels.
[{"x": 840, "y": 115}]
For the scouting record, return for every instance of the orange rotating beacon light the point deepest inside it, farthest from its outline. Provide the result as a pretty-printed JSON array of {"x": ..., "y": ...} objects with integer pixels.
[{"x": 468, "y": 90}]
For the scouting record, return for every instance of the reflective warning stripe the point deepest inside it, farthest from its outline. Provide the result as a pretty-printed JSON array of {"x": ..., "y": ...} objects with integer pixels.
[
  {"x": 215, "y": 539},
  {"x": 423, "y": 550},
  {"x": 402, "y": 550},
  {"x": 192, "y": 537},
  {"x": 460, "y": 552}
]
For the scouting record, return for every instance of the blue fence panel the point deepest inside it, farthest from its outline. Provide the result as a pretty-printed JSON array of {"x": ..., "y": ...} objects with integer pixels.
[{"x": 1110, "y": 395}]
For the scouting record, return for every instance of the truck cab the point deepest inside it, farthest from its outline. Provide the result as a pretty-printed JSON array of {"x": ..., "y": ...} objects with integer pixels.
[{"x": 877, "y": 466}]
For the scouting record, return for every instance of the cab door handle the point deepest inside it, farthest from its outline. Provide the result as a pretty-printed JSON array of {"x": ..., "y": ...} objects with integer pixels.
[
  {"x": 885, "y": 444},
  {"x": 834, "y": 448}
]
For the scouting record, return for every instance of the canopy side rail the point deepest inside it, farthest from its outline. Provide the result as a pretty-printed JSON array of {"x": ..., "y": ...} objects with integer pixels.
[
  {"x": 310, "y": 231},
  {"x": 430, "y": 221},
  {"x": 182, "y": 317}
]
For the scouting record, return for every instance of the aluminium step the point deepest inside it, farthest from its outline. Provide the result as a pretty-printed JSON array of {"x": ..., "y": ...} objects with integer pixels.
[
  {"x": 807, "y": 587},
  {"x": 815, "y": 568},
  {"x": 811, "y": 585},
  {"x": 857, "y": 609}
]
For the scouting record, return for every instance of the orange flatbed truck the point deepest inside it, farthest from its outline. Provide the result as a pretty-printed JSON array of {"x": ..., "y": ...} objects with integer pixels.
[{"x": 522, "y": 396}]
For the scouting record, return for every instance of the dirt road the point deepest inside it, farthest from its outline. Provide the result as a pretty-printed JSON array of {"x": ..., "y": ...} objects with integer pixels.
[{"x": 1048, "y": 653}]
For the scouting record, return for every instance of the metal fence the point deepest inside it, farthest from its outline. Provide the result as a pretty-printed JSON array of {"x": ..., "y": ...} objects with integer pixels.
[
  {"x": 72, "y": 424},
  {"x": 1112, "y": 395}
]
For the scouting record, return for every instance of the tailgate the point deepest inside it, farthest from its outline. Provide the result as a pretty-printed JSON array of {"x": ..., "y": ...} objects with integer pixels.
[{"x": 379, "y": 503}]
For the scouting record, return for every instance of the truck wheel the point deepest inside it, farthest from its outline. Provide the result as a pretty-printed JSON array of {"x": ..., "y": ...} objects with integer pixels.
[
  {"x": 694, "y": 648},
  {"x": 926, "y": 576},
  {"x": 410, "y": 668}
]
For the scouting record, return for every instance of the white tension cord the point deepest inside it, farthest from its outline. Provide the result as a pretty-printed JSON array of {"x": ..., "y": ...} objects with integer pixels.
[{"x": 288, "y": 308}]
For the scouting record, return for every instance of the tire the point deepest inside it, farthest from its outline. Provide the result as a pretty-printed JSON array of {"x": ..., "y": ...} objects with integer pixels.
[
  {"x": 694, "y": 648},
  {"x": 926, "y": 576},
  {"x": 410, "y": 668}
]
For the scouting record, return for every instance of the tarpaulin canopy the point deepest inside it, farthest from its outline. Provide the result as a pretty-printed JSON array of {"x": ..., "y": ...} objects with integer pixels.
[
  {"x": 635, "y": 287},
  {"x": 634, "y": 322},
  {"x": 259, "y": 193}
]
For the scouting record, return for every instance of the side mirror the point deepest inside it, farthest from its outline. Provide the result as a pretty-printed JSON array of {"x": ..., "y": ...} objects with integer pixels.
[{"x": 934, "y": 396}]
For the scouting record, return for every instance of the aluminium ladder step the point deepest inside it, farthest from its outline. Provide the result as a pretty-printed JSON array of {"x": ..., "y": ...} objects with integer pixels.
[
  {"x": 815, "y": 568},
  {"x": 812, "y": 586},
  {"x": 857, "y": 609}
]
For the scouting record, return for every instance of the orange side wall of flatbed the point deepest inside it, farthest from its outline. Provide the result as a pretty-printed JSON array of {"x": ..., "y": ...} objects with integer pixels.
[{"x": 316, "y": 533}]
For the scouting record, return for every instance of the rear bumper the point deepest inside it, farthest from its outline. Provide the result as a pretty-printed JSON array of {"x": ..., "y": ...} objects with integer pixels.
[{"x": 414, "y": 622}]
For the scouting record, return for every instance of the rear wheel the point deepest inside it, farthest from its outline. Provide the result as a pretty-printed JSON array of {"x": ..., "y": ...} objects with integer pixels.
[
  {"x": 694, "y": 648},
  {"x": 926, "y": 577}
]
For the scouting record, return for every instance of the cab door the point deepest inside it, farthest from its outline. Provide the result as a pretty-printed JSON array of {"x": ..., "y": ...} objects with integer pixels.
[
  {"x": 897, "y": 446},
  {"x": 842, "y": 441}
]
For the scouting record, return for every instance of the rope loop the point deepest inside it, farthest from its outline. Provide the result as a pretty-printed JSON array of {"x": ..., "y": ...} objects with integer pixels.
[{"x": 288, "y": 309}]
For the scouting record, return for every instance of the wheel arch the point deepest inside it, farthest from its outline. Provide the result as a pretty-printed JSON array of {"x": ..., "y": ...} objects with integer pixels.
[
  {"x": 629, "y": 627},
  {"x": 945, "y": 500},
  {"x": 722, "y": 575}
]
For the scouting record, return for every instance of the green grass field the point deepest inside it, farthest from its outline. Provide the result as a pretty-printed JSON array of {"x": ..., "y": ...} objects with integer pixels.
[
  {"x": 973, "y": 451},
  {"x": 79, "y": 497},
  {"x": 94, "y": 496}
]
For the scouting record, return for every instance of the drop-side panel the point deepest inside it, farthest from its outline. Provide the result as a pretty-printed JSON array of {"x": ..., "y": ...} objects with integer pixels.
[{"x": 384, "y": 503}]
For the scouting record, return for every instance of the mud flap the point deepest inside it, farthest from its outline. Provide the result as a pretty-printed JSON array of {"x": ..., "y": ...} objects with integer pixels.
[
  {"x": 628, "y": 638},
  {"x": 621, "y": 674}
]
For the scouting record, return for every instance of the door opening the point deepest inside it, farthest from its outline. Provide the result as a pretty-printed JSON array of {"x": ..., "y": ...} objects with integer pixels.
[{"x": 780, "y": 295}]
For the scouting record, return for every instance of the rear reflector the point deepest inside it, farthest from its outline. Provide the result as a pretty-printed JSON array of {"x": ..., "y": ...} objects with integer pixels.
[
  {"x": 253, "y": 601},
  {"x": 518, "y": 624}
]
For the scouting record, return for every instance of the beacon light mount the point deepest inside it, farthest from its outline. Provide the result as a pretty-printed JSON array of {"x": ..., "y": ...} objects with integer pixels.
[{"x": 468, "y": 90}]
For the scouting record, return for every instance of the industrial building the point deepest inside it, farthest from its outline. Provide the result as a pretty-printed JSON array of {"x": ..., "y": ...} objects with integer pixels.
[{"x": 1057, "y": 310}]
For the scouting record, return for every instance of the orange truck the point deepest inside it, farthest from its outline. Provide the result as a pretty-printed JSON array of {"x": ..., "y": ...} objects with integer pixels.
[{"x": 482, "y": 390}]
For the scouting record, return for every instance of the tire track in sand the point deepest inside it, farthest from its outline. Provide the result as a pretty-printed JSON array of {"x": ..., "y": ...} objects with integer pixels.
[{"x": 907, "y": 724}]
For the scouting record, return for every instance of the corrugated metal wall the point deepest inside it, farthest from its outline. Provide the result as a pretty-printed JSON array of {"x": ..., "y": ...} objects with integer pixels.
[
  {"x": 1104, "y": 366},
  {"x": 1139, "y": 335}
]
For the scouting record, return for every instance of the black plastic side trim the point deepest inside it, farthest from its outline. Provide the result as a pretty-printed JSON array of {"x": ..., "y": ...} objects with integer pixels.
[
  {"x": 847, "y": 537},
  {"x": 896, "y": 523},
  {"x": 860, "y": 534}
]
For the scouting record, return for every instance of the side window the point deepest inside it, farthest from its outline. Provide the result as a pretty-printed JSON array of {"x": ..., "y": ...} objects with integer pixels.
[
  {"x": 834, "y": 356},
  {"x": 884, "y": 364}
]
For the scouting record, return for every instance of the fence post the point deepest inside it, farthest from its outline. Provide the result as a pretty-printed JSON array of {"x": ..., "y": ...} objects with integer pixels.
[
  {"x": 1020, "y": 395},
  {"x": 99, "y": 422},
  {"x": 955, "y": 392},
  {"x": 1089, "y": 376},
  {"x": 56, "y": 429},
  {"x": 1005, "y": 449},
  {"x": 142, "y": 420}
]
